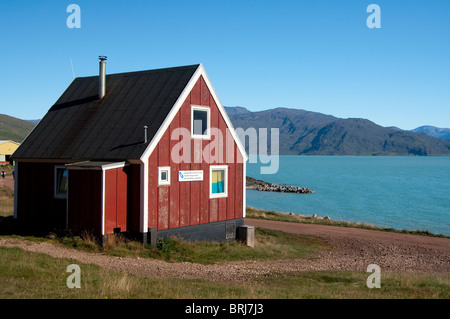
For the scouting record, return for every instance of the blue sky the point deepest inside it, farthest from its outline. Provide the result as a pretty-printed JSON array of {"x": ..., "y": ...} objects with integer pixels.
[{"x": 313, "y": 55}]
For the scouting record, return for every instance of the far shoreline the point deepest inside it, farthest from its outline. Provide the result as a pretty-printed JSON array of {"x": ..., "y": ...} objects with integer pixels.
[
  {"x": 262, "y": 186},
  {"x": 256, "y": 213}
]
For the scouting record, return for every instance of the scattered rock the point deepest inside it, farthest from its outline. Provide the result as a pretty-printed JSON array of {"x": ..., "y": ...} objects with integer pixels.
[{"x": 266, "y": 187}]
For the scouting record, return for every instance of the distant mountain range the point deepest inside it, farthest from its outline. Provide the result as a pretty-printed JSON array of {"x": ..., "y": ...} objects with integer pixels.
[
  {"x": 443, "y": 133},
  {"x": 34, "y": 121},
  {"x": 311, "y": 133}
]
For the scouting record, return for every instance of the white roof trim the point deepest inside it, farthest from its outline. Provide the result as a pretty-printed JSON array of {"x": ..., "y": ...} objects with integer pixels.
[
  {"x": 100, "y": 166},
  {"x": 176, "y": 107}
]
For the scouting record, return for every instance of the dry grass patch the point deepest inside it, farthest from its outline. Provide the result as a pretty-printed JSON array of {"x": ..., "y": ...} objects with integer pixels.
[{"x": 6, "y": 202}]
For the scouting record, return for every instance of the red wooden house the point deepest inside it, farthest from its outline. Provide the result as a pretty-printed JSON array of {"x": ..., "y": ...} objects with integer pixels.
[{"x": 150, "y": 153}]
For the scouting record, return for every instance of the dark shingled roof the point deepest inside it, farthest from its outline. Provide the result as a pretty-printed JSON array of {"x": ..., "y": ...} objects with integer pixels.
[{"x": 80, "y": 126}]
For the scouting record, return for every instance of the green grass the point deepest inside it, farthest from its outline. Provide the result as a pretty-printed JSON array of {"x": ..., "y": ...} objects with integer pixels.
[
  {"x": 7, "y": 168},
  {"x": 14, "y": 129},
  {"x": 32, "y": 275},
  {"x": 269, "y": 245},
  {"x": 352, "y": 284},
  {"x": 6, "y": 202},
  {"x": 284, "y": 217}
]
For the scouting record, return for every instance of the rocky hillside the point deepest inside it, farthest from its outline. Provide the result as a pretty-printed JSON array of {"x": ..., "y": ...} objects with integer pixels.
[
  {"x": 14, "y": 129},
  {"x": 442, "y": 133},
  {"x": 311, "y": 133}
]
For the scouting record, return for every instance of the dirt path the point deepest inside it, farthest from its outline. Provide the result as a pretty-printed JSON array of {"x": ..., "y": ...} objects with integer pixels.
[
  {"x": 354, "y": 249},
  {"x": 8, "y": 181}
]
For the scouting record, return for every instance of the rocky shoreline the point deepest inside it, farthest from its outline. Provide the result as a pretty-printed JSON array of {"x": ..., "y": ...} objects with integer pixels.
[{"x": 259, "y": 185}]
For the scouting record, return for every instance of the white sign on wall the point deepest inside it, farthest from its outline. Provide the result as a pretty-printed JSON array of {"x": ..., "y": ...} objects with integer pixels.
[{"x": 189, "y": 176}]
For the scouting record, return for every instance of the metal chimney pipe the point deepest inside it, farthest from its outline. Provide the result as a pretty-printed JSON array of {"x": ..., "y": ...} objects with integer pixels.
[{"x": 102, "y": 77}]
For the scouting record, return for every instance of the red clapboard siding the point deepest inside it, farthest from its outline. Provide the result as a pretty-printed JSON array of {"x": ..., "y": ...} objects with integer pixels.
[
  {"x": 204, "y": 187},
  {"x": 96, "y": 191},
  {"x": 110, "y": 200},
  {"x": 204, "y": 202},
  {"x": 188, "y": 203},
  {"x": 196, "y": 93},
  {"x": 163, "y": 191},
  {"x": 122, "y": 195},
  {"x": 174, "y": 198},
  {"x": 239, "y": 185},
  {"x": 115, "y": 200},
  {"x": 188, "y": 209},
  {"x": 223, "y": 208},
  {"x": 163, "y": 207},
  {"x": 213, "y": 152},
  {"x": 205, "y": 95},
  {"x": 231, "y": 184},
  {"x": 85, "y": 198},
  {"x": 153, "y": 189},
  {"x": 88, "y": 193},
  {"x": 196, "y": 157}
]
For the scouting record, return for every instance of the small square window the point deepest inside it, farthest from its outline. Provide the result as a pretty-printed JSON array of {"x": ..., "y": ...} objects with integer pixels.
[
  {"x": 200, "y": 122},
  {"x": 164, "y": 175},
  {"x": 61, "y": 182},
  {"x": 218, "y": 185}
]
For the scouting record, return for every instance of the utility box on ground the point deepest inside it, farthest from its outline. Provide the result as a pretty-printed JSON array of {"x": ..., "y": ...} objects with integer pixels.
[{"x": 246, "y": 234}]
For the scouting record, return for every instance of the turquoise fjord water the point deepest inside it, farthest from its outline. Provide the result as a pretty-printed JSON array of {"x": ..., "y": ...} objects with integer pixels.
[{"x": 402, "y": 192}]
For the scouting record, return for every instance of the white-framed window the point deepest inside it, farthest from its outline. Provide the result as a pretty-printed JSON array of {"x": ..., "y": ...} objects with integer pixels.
[
  {"x": 200, "y": 122},
  {"x": 61, "y": 181},
  {"x": 218, "y": 181},
  {"x": 164, "y": 175}
]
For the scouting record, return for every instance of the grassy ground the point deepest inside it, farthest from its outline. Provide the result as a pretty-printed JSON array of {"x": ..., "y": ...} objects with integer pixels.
[
  {"x": 7, "y": 168},
  {"x": 31, "y": 275},
  {"x": 269, "y": 245},
  {"x": 6, "y": 202},
  {"x": 278, "y": 216},
  {"x": 6, "y": 195}
]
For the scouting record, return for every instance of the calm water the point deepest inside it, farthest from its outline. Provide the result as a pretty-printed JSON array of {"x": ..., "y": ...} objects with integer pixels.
[{"x": 402, "y": 192}]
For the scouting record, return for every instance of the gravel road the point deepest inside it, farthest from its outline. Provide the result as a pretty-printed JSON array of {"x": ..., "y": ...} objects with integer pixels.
[{"x": 354, "y": 249}]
